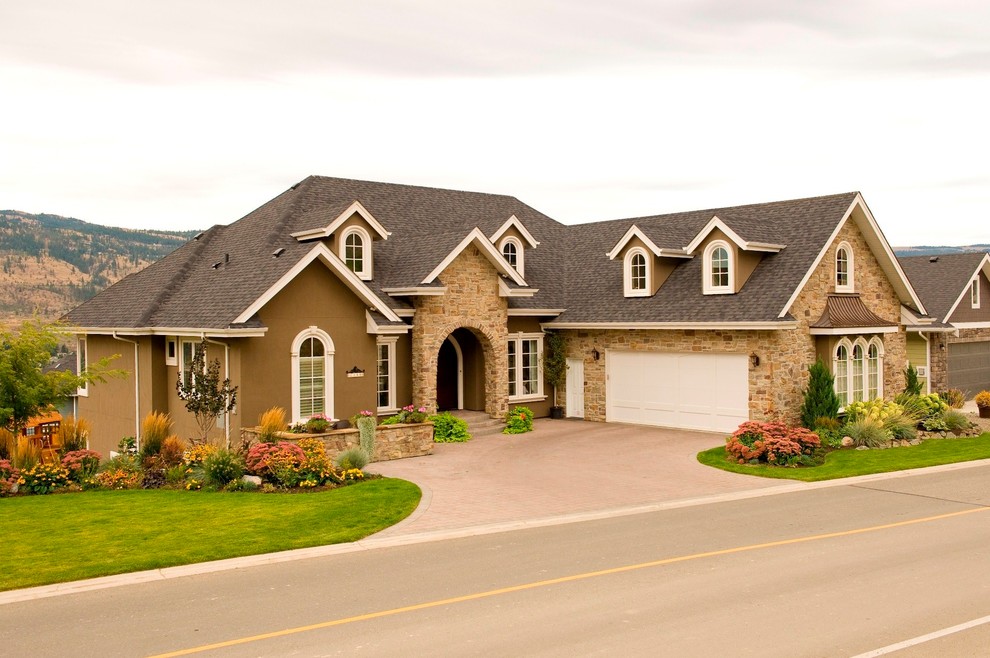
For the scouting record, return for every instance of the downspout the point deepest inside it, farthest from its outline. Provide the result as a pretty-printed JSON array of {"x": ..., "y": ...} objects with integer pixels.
[
  {"x": 226, "y": 371},
  {"x": 137, "y": 390}
]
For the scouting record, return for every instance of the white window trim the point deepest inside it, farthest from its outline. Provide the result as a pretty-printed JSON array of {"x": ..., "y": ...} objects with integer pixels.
[
  {"x": 518, "y": 339},
  {"x": 366, "y": 266},
  {"x": 974, "y": 292},
  {"x": 82, "y": 356},
  {"x": 707, "y": 286},
  {"x": 390, "y": 342},
  {"x": 627, "y": 288},
  {"x": 174, "y": 359},
  {"x": 864, "y": 345},
  {"x": 850, "y": 264},
  {"x": 328, "y": 386},
  {"x": 520, "y": 255}
]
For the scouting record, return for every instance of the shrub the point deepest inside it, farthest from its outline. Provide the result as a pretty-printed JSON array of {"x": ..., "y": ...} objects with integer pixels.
[
  {"x": 983, "y": 399},
  {"x": 221, "y": 467},
  {"x": 172, "y": 451},
  {"x": 935, "y": 424},
  {"x": 868, "y": 432},
  {"x": 8, "y": 477},
  {"x": 116, "y": 478},
  {"x": 352, "y": 458},
  {"x": 81, "y": 464},
  {"x": 877, "y": 409},
  {"x": 408, "y": 414},
  {"x": 177, "y": 474},
  {"x": 127, "y": 446},
  {"x": 955, "y": 420},
  {"x": 277, "y": 462},
  {"x": 27, "y": 454},
  {"x": 901, "y": 427},
  {"x": 43, "y": 478},
  {"x": 270, "y": 423},
  {"x": 771, "y": 443},
  {"x": 316, "y": 468},
  {"x": 912, "y": 406},
  {"x": 933, "y": 405},
  {"x": 829, "y": 431},
  {"x": 73, "y": 434},
  {"x": 154, "y": 429},
  {"x": 392, "y": 420},
  {"x": 518, "y": 420},
  {"x": 913, "y": 385},
  {"x": 820, "y": 400},
  {"x": 954, "y": 398},
  {"x": 448, "y": 428}
]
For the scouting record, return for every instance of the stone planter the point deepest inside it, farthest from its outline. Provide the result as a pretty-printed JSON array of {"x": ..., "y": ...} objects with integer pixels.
[
  {"x": 391, "y": 441},
  {"x": 984, "y": 412}
]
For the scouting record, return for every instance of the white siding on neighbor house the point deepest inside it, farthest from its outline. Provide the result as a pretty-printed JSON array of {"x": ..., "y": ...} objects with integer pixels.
[{"x": 689, "y": 391}]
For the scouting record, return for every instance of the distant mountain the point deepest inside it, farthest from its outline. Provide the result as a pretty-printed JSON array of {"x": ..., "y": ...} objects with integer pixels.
[
  {"x": 49, "y": 264},
  {"x": 927, "y": 250}
]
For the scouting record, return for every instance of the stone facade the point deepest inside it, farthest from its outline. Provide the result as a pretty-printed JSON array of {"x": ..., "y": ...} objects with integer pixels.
[
  {"x": 472, "y": 301},
  {"x": 938, "y": 361},
  {"x": 391, "y": 441}
]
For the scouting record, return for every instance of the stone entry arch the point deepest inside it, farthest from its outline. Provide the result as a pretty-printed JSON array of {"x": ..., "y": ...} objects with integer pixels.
[{"x": 426, "y": 353}]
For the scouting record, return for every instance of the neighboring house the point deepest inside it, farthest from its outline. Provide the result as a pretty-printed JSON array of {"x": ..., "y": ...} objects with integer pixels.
[
  {"x": 954, "y": 352},
  {"x": 64, "y": 363},
  {"x": 342, "y": 295}
]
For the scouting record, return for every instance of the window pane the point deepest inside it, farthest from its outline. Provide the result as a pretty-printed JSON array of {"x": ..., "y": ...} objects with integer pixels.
[
  {"x": 530, "y": 367},
  {"x": 512, "y": 367},
  {"x": 873, "y": 372},
  {"x": 857, "y": 373},
  {"x": 638, "y": 272},
  {"x": 720, "y": 268},
  {"x": 509, "y": 251},
  {"x": 354, "y": 252},
  {"x": 842, "y": 375},
  {"x": 311, "y": 384},
  {"x": 383, "y": 379}
]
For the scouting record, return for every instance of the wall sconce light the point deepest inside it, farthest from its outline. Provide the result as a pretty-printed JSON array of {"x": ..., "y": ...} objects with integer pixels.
[
  {"x": 595, "y": 354},
  {"x": 754, "y": 358}
]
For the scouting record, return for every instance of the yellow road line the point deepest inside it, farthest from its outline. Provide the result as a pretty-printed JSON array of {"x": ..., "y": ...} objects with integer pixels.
[{"x": 557, "y": 581}]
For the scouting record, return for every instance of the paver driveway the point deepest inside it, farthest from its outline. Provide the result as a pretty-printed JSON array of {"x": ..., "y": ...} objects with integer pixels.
[{"x": 562, "y": 467}]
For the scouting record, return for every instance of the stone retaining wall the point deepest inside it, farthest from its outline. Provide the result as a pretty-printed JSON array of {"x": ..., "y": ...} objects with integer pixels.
[{"x": 391, "y": 441}]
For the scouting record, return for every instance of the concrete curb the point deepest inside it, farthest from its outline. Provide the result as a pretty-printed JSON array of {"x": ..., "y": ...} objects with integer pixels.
[{"x": 392, "y": 540}]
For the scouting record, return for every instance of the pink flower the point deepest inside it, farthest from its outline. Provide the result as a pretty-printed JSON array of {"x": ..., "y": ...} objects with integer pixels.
[{"x": 422, "y": 410}]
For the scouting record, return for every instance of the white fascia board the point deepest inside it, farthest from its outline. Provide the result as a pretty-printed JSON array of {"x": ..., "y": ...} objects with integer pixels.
[
  {"x": 375, "y": 329},
  {"x": 356, "y": 207},
  {"x": 909, "y": 318},
  {"x": 405, "y": 312},
  {"x": 534, "y": 312},
  {"x": 184, "y": 332},
  {"x": 985, "y": 267},
  {"x": 487, "y": 248},
  {"x": 845, "y": 331},
  {"x": 633, "y": 232},
  {"x": 731, "y": 326},
  {"x": 513, "y": 221},
  {"x": 416, "y": 291},
  {"x": 922, "y": 329},
  {"x": 971, "y": 325},
  {"x": 505, "y": 291},
  {"x": 716, "y": 223},
  {"x": 332, "y": 261}
]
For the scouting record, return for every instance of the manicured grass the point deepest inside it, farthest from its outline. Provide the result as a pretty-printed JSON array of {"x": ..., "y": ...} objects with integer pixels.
[
  {"x": 847, "y": 463},
  {"x": 63, "y": 537}
]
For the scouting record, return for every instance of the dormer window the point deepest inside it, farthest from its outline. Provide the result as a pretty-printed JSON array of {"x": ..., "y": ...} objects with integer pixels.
[
  {"x": 718, "y": 269},
  {"x": 844, "y": 268},
  {"x": 974, "y": 293},
  {"x": 356, "y": 251},
  {"x": 637, "y": 274},
  {"x": 512, "y": 251}
]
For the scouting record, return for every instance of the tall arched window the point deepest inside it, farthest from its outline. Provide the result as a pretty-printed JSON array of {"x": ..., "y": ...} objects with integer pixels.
[
  {"x": 857, "y": 373},
  {"x": 312, "y": 375},
  {"x": 718, "y": 269},
  {"x": 873, "y": 387},
  {"x": 356, "y": 251},
  {"x": 841, "y": 368},
  {"x": 512, "y": 251},
  {"x": 858, "y": 370},
  {"x": 637, "y": 274},
  {"x": 844, "y": 268}
]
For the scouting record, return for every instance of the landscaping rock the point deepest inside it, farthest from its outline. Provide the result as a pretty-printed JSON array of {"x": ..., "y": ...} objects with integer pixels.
[
  {"x": 847, "y": 442},
  {"x": 915, "y": 442},
  {"x": 252, "y": 479},
  {"x": 904, "y": 443},
  {"x": 862, "y": 448}
]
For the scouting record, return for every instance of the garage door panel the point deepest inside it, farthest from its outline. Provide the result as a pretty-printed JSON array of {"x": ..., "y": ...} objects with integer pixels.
[
  {"x": 969, "y": 366},
  {"x": 692, "y": 391}
]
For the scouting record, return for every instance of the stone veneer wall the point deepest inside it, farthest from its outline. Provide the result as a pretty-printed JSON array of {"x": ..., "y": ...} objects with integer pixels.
[
  {"x": 938, "y": 357},
  {"x": 391, "y": 441},
  {"x": 471, "y": 301},
  {"x": 776, "y": 386}
]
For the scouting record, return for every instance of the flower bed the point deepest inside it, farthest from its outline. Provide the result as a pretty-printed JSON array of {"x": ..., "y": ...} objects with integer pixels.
[{"x": 391, "y": 441}]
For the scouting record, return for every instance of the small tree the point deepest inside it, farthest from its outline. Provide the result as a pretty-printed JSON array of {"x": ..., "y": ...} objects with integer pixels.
[
  {"x": 206, "y": 397},
  {"x": 913, "y": 386},
  {"x": 820, "y": 400},
  {"x": 554, "y": 361},
  {"x": 26, "y": 390}
]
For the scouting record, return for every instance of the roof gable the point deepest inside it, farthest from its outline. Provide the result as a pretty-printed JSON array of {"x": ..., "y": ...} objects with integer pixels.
[
  {"x": 354, "y": 209},
  {"x": 478, "y": 239},
  {"x": 513, "y": 222},
  {"x": 716, "y": 223},
  {"x": 634, "y": 232}
]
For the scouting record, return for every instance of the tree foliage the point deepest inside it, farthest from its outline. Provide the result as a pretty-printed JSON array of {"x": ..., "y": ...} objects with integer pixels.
[
  {"x": 913, "y": 384},
  {"x": 26, "y": 390},
  {"x": 206, "y": 396},
  {"x": 820, "y": 400},
  {"x": 554, "y": 361}
]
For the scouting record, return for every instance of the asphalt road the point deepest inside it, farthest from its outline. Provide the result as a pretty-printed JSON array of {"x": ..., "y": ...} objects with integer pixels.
[{"x": 839, "y": 571}]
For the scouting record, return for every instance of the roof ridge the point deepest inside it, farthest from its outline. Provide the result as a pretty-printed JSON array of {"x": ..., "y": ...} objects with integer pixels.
[
  {"x": 276, "y": 232},
  {"x": 417, "y": 187},
  {"x": 181, "y": 276}
]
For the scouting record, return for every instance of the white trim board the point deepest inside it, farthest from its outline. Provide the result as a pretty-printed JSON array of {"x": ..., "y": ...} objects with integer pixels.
[
  {"x": 716, "y": 223},
  {"x": 327, "y": 231},
  {"x": 478, "y": 238},
  {"x": 513, "y": 221}
]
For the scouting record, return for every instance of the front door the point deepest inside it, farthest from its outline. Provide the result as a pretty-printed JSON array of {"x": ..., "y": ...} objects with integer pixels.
[
  {"x": 447, "y": 377},
  {"x": 575, "y": 388}
]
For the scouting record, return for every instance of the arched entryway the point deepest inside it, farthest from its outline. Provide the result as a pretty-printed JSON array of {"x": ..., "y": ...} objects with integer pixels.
[{"x": 461, "y": 372}]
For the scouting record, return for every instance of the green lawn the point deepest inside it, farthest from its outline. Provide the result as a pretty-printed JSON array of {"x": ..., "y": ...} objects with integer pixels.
[
  {"x": 63, "y": 537},
  {"x": 847, "y": 463}
]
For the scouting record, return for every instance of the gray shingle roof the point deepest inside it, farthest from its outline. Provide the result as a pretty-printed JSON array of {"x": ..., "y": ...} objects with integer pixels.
[
  {"x": 569, "y": 267},
  {"x": 940, "y": 282}
]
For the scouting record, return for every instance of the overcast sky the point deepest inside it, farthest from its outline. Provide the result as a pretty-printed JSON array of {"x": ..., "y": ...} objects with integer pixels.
[{"x": 184, "y": 114}]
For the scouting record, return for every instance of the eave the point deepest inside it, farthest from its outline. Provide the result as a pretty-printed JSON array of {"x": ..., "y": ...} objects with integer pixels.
[
  {"x": 192, "y": 332},
  {"x": 326, "y": 231},
  {"x": 716, "y": 223},
  {"x": 728, "y": 326}
]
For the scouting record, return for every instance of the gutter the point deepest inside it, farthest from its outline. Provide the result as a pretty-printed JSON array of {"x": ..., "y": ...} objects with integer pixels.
[{"x": 137, "y": 390}]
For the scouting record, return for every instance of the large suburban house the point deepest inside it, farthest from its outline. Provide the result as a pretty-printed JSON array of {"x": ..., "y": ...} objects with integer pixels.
[
  {"x": 342, "y": 295},
  {"x": 954, "y": 351}
]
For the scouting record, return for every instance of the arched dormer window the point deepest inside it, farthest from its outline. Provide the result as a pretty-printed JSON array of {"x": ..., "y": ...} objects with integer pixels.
[
  {"x": 312, "y": 375},
  {"x": 719, "y": 279},
  {"x": 355, "y": 251},
  {"x": 512, "y": 251},
  {"x": 844, "y": 268},
  {"x": 636, "y": 274}
]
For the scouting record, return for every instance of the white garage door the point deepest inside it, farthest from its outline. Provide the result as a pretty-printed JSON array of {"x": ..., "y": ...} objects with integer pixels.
[{"x": 692, "y": 391}]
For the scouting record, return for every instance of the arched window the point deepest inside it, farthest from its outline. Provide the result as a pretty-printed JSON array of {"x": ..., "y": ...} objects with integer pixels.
[
  {"x": 841, "y": 368},
  {"x": 312, "y": 375},
  {"x": 858, "y": 370},
  {"x": 718, "y": 269},
  {"x": 874, "y": 370},
  {"x": 356, "y": 251},
  {"x": 513, "y": 252},
  {"x": 857, "y": 373},
  {"x": 844, "y": 268},
  {"x": 637, "y": 274}
]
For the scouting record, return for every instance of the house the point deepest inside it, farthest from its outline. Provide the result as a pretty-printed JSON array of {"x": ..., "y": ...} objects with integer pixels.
[
  {"x": 954, "y": 351},
  {"x": 341, "y": 295}
]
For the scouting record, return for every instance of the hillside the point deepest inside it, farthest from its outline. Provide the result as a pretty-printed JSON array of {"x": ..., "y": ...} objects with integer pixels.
[
  {"x": 927, "y": 250},
  {"x": 49, "y": 264}
]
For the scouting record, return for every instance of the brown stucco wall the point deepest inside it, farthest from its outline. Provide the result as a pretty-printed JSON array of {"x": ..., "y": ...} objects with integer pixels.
[{"x": 109, "y": 407}]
